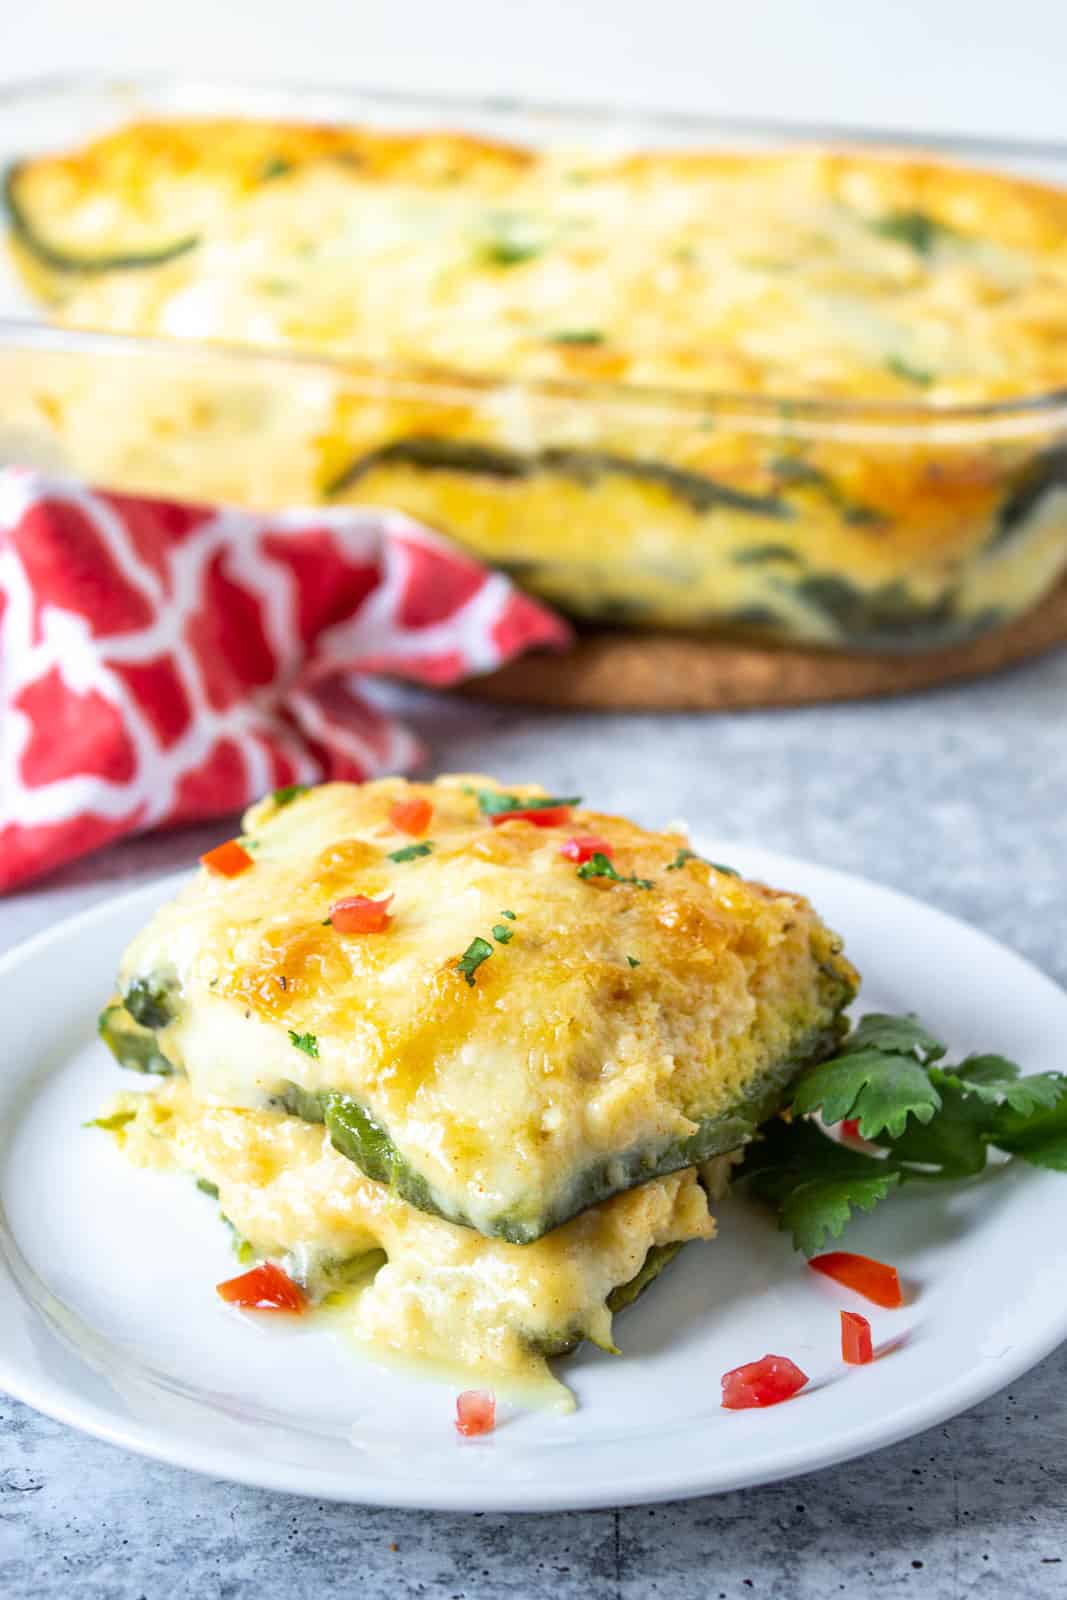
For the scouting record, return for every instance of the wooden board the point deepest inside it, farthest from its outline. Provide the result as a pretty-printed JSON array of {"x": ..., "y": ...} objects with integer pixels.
[{"x": 645, "y": 671}]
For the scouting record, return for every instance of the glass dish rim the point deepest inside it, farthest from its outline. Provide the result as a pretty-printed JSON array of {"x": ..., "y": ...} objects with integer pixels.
[{"x": 873, "y": 418}]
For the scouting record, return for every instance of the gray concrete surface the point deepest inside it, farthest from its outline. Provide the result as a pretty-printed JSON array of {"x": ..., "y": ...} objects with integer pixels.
[{"x": 959, "y": 797}]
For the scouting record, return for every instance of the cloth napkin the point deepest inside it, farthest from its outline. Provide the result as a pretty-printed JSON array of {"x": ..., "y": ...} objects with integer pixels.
[{"x": 164, "y": 662}]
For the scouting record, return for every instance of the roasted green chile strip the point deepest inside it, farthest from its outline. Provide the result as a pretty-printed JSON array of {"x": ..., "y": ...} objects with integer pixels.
[
  {"x": 699, "y": 491},
  {"x": 359, "y": 1136},
  {"x": 133, "y": 1046},
  {"x": 63, "y": 259}
]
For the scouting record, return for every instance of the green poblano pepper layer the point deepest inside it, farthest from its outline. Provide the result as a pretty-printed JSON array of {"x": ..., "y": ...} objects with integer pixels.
[{"x": 357, "y": 1134}]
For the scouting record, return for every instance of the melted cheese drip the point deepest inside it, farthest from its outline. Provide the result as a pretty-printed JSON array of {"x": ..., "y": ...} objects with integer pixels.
[{"x": 446, "y": 1296}]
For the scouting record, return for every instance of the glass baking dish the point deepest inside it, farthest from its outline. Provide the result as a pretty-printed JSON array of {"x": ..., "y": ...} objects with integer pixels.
[{"x": 846, "y": 524}]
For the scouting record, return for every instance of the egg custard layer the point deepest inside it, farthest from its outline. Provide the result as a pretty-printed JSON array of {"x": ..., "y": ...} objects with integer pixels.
[
  {"x": 406, "y": 1284},
  {"x": 558, "y": 1005}
]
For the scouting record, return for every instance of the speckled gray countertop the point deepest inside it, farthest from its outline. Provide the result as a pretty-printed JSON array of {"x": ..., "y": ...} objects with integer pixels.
[{"x": 959, "y": 797}]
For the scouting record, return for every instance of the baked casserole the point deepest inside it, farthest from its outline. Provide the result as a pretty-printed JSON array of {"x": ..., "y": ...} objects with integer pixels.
[{"x": 792, "y": 393}]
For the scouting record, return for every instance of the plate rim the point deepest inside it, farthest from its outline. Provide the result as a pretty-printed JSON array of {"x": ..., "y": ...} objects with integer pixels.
[{"x": 55, "y": 1399}]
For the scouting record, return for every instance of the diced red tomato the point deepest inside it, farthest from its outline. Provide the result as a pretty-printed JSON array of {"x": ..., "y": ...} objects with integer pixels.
[
  {"x": 547, "y": 817},
  {"x": 411, "y": 816},
  {"x": 851, "y": 1127},
  {"x": 766, "y": 1382},
  {"x": 584, "y": 846},
  {"x": 265, "y": 1288},
  {"x": 229, "y": 860},
  {"x": 358, "y": 914},
  {"x": 874, "y": 1280},
  {"x": 475, "y": 1412},
  {"x": 856, "y": 1346}
]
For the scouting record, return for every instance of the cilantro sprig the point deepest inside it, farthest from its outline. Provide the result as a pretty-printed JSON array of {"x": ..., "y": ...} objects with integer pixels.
[
  {"x": 685, "y": 855},
  {"x": 477, "y": 951},
  {"x": 600, "y": 866},
  {"x": 493, "y": 803},
  {"x": 924, "y": 1122},
  {"x": 305, "y": 1041},
  {"x": 288, "y": 793},
  {"x": 411, "y": 852}
]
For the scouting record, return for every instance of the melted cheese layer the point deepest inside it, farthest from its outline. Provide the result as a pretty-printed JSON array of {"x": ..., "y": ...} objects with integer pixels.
[
  {"x": 617, "y": 1020},
  {"x": 445, "y": 1294}
]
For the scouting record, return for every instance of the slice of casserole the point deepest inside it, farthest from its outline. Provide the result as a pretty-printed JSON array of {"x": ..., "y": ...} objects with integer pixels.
[
  {"x": 547, "y": 1006},
  {"x": 406, "y": 1284}
]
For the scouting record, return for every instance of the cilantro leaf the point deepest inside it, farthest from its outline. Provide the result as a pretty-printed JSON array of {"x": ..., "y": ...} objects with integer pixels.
[
  {"x": 813, "y": 1182},
  {"x": 286, "y": 795},
  {"x": 1038, "y": 1136},
  {"x": 411, "y": 852},
  {"x": 681, "y": 858},
  {"x": 918, "y": 229},
  {"x": 953, "y": 1144},
  {"x": 600, "y": 866},
  {"x": 306, "y": 1042},
  {"x": 634, "y": 962},
  {"x": 930, "y": 1122},
  {"x": 876, "y": 1088},
  {"x": 477, "y": 951},
  {"x": 509, "y": 914},
  {"x": 996, "y": 1079},
  {"x": 903, "y": 1035},
  {"x": 491, "y": 803},
  {"x": 502, "y": 933}
]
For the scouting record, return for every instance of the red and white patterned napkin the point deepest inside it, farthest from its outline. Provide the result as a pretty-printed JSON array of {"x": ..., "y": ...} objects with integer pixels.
[{"x": 163, "y": 662}]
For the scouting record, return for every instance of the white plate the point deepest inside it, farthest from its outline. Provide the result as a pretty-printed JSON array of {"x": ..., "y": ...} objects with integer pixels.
[{"x": 109, "y": 1319}]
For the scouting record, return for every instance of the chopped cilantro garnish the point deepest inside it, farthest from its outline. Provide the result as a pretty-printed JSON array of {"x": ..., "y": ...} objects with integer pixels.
[
  {"x": 502, "y": 933},
  {"x": 904, "y": 369},
  {"x": 305, "y": 1041},
  {"x": 411, "y": 852},
  {"x": 291, "y": 792},
  {"x": 931, "y": 1123},
  {"x": 691, "y": 855},
  {"x": 599, "y": 866},
  {"x": 915, "y": 228},
  {"x": 477, "y": 951},
  {"x": 509, "y": 914},
  {"x": 510, "y": 238},
  {"x": 577, "y": 336},
  {"x": 633, "y": 961},
  {"x": 275, "y": 167},
  {"x": 206, "y": 1186},
  {"x": 492, "y": 803}
]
